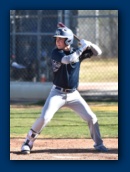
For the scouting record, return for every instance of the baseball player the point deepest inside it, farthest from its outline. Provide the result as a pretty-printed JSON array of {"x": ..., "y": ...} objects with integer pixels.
[{"x": 66, "y": 62}]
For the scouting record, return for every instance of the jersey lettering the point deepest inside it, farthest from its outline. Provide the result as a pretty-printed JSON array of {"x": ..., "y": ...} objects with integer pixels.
[{"x": 55, "y": 65}]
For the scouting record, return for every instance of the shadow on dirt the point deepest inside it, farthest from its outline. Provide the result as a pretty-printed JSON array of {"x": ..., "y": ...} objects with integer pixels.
[{"x": 66, "y": 151}]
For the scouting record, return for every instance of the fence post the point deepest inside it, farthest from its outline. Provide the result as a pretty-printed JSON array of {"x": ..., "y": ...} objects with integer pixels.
[
  {"x": 67, "y": 18},
  {"x": 60, "y": 16},
  {"x": 38, "y": 43},
  {"x": 97, "y": 27},
  {"x": 14, "y": 36}
]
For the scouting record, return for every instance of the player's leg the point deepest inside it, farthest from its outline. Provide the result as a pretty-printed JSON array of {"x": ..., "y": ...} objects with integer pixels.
[
  {"x": 52, "y": 104},
  {"x": 79, "y": 105}
]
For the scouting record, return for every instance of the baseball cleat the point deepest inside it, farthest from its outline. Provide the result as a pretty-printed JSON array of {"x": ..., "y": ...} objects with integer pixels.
[
  {"x": 25, "y": 149},
  {"x": 101, "y": 148}
]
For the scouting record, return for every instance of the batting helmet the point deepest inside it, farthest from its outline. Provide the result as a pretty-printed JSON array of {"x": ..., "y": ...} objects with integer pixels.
[{"x": 65, "y": 33}]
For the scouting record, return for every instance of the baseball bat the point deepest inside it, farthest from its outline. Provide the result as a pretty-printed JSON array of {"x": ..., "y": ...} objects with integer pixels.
[{"x": 62, "y": 25}]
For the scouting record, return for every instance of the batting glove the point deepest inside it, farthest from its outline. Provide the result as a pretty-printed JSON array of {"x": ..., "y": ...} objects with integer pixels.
[{"x": 84, "y": 45}]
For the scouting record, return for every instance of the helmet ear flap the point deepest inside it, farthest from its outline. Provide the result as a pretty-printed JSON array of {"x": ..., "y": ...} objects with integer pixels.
[{"x": 68, "y": 41}]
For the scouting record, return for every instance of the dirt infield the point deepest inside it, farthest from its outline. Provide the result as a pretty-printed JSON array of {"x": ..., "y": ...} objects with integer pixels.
[{"x": 64, "y": 149}]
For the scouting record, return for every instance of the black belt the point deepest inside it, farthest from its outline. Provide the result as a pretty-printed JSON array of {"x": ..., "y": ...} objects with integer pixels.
[{"x": 65, "y": 90}]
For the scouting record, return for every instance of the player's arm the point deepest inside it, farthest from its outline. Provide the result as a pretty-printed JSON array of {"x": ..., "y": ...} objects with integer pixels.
[
  {"x": 95, "y": 49},
  {"x": 92, "y": 49},
  {"x": 74, "y": 57},
  {"x": 86, "y": 54},
  {"x": 60, "y": 57},
  {"x": 90, "y": 46}
]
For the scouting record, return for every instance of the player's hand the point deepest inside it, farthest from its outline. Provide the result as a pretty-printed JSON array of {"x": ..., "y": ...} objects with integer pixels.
[{"x": 84, "y": 44}]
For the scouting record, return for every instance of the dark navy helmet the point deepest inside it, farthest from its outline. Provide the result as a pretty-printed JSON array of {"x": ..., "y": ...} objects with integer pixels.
[{"x": 65, "y": 32}]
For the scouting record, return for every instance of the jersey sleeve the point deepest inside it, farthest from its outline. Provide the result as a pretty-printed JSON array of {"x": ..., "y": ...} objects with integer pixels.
[
  {"x": 69, "y": 57},
  {"x": 57, "y": 55},
  {"x": 86, "y": 54}
]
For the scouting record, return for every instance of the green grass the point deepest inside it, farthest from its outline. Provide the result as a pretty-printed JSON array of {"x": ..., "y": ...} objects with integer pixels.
[
  {"x": 99, "y": 70},
  {"x": 65, "y": 123}
]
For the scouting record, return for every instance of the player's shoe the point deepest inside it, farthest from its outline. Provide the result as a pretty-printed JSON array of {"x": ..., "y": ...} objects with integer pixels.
[
  {"x": 101, "y": 148},
  {"x": 26, "y": 148}
]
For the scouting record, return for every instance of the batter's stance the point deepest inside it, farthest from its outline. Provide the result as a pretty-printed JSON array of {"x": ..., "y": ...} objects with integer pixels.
[{"x": 66, "y": 65}]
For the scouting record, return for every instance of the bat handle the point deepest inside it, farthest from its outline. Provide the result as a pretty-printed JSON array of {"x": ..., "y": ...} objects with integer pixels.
[{"x": 76, "y": 37}]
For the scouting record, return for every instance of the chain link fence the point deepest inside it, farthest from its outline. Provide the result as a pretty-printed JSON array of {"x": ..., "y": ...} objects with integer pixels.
[{"x": 31, "y": 43}]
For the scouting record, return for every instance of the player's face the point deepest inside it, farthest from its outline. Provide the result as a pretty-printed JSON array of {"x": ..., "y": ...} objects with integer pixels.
[{"x": 60, "y": 43}]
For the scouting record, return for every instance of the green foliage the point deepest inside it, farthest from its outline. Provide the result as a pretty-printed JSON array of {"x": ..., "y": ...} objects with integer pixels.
[{"x": 65, "y": 123}]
